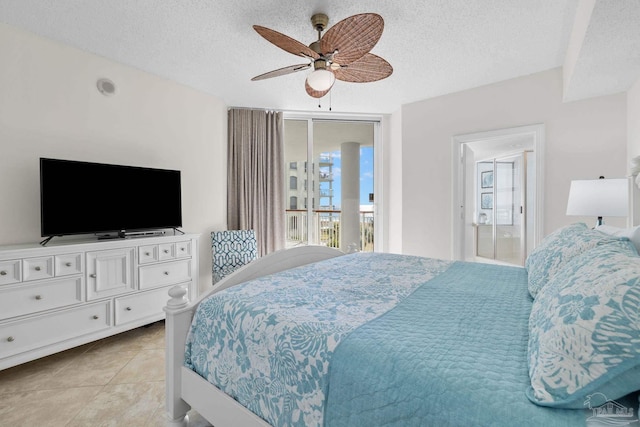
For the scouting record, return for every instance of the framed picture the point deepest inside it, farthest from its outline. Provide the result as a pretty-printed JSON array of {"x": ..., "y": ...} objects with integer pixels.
[
  {"x": 486, "y": 200},
  {"x": 486, "y": 179}
]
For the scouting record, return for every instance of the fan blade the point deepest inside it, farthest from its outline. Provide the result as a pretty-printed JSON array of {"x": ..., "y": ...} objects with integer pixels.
[
  {"x": 369, "y": 68},
  {"x": 352, "y": 37},
  {"x": 285, "y": 42},
  {"x": 282, "y": 71},
  {"x": 315, "y": 93}
]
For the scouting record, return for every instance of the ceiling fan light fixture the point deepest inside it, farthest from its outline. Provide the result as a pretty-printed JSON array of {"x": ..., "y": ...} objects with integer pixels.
[
  {"x": 342, "y": 53},
  {"x": 321, "y": 80}
]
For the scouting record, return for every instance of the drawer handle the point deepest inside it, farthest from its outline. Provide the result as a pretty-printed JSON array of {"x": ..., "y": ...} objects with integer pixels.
[
  {"x": 11, "y": 339},
  {"x": 166, "y": 273},
  {"x": 3, "y": 273},
  {"x": 38, "y": 268},
  {"x": 96, "y": 317},
  {"x": 128, "y": 308},
  {"x": 93, "y": 276},
  {"x": 182, "y": 249},
  {"x": 147, "y": 253},
  {"x": 166, "y": 251},
  {"x": 68, "y": 264},
  {"x": 38, "y": 297}
]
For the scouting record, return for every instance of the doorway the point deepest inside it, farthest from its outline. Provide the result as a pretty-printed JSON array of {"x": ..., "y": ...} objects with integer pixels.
[{"x": 498, "y": 184}]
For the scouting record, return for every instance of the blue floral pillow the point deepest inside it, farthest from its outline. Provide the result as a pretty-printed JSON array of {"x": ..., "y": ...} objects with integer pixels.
[
  {"x": 558, "y": 248},
  {"x": 584, "y": 329}
]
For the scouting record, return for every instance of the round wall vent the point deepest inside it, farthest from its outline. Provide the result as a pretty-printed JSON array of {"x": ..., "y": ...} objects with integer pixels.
[{"x": 106, "y": 87}]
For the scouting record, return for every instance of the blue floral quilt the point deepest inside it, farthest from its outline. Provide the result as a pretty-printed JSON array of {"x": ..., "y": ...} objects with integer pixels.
[
  {"x": 380, "y": 340},
  {"x": 268, "y": 342}
]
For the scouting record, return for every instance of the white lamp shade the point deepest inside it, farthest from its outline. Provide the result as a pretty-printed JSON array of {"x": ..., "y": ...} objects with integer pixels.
[
  {"x": 599, "y": 197},
  {"x": 321, "y": 80}
]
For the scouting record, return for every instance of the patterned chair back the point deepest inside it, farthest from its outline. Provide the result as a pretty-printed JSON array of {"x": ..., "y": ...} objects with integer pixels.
[{"x": 231, "y": 250}]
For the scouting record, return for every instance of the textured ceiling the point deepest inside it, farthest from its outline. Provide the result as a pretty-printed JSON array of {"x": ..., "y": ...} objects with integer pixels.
[{"x": 435, "y": 46}]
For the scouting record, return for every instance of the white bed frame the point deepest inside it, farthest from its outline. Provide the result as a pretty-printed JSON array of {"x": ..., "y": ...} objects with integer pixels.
[{"x": 186, "y": 389}]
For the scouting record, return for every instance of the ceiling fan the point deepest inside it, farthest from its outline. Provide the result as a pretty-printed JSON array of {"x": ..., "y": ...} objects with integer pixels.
[{"x": 341, "y": 53}]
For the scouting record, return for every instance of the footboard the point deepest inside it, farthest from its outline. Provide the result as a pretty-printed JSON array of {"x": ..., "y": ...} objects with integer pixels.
[
  {"x": 180, "y": 312},
  {"x": 178, "y": 320}
]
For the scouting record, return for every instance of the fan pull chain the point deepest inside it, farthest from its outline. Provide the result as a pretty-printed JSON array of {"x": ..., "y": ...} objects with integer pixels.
[{"x": 320, "y": 102}]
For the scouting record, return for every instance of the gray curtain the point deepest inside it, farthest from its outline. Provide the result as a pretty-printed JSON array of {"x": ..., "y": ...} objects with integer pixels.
[{"x": 255, "y": 176}]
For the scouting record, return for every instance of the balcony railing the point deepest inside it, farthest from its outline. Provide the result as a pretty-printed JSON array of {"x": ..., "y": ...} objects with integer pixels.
[{"x": 325, "y": 228}]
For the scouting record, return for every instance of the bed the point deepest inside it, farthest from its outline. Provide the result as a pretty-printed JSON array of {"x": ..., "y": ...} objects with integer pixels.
[{"x": 313, "y": 337}]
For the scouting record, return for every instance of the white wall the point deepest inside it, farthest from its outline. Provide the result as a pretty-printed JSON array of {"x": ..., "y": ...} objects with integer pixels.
[
  {"x": 49, "y": 107},
  {"x": 633, "y": 120},
  {"x": 393, "y": 146},
  {"x": 584, "y": 139},
  {"x": 633, "y": 140}
]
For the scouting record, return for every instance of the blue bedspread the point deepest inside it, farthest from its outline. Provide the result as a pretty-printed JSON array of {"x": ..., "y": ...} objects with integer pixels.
[
  {"x": 375, "y": 340},
  {"x": 454, "y": 354}
]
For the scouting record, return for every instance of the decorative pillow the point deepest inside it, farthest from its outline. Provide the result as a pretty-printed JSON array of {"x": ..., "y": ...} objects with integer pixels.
[
  {"x": 558, "y": 248},
  {"x": 632, "y": 234},
  {"x": 584, "y": 329}
]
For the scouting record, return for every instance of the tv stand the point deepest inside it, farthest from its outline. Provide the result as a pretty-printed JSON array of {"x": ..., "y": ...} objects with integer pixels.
[{"x": 70, "y": 293}]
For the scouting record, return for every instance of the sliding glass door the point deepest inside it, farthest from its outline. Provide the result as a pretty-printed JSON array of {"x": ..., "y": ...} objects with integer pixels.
[
  {"x": 300, "y": 199},
  {"x": 330, "y": 196}
]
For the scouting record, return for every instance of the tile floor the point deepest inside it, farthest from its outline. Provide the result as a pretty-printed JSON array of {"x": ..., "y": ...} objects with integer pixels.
[{"x": 117, "y": 381}]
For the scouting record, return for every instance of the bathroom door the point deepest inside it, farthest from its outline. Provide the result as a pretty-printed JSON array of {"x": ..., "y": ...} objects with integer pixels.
[
  {"x": 501, "y": 207},
  {"x": 509, "y": 212}
]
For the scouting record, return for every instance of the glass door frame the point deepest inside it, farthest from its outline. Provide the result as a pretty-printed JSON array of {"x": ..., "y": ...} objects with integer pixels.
[
  {"x": 517, "y": 205},
  {"x": 378, "y": 167},
  {"x": 459, "y": 200}
]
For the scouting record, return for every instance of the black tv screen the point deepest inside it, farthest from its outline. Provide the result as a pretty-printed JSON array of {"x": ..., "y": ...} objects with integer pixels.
[{"x": 82, "y": 198}]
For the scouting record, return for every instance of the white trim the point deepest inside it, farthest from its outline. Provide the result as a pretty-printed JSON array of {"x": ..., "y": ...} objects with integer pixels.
[
  {"x": 310, "y": 187},
  {"x": 537, "y": 131},
  {"x": 379, "y": 214},
  {"x": 320, "y": 115}
]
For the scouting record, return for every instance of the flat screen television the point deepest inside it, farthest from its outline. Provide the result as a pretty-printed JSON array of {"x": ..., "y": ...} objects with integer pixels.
[{"x": 82, "y": 198}]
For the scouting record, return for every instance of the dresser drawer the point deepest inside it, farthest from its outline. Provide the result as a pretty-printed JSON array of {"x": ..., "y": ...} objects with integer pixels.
[
  {"x": 152, "y": 276},
  {"x": 25, "y": 298},
  {"x": 68, "y": 264},
  {"x": 10, "y": 272},
  {"x": 183, "y": 249},
  {"x": 141, "y": 305},
  {"x": 37, "y": 268},
  {"x": 167, "y": 251},
  {"x": 24, "y": 335},
  {"x": 147, "y": 254}
]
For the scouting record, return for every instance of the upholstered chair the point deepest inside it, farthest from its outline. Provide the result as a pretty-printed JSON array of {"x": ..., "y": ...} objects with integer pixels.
[{"x": 231, "y": 250}]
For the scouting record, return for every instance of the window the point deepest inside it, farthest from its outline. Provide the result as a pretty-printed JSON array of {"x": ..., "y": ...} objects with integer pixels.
[
  {"x": 293, "y": 183},
  {"x": 293, "y": 202},
  {"x": 293, "y": 165}
]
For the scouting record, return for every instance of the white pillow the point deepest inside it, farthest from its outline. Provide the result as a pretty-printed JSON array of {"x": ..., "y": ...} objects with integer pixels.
[{"x": 632, "y": 234}]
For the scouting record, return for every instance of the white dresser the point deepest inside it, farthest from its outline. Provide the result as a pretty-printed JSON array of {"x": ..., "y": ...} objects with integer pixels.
[{"x": 70, "y": 293}]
